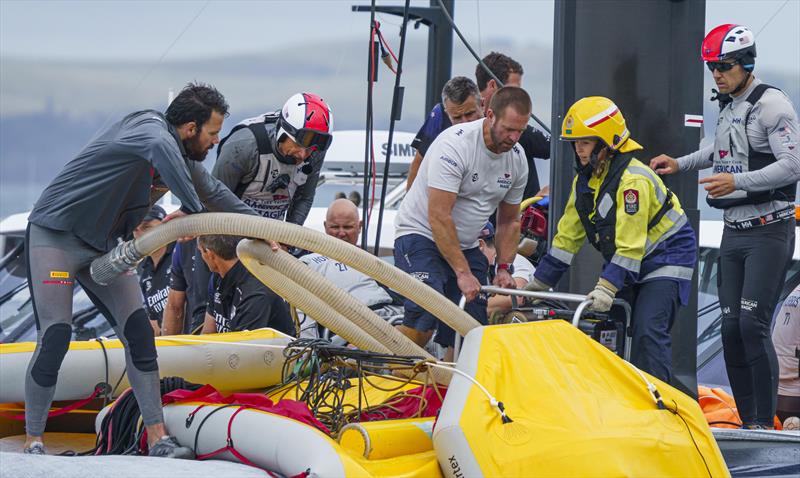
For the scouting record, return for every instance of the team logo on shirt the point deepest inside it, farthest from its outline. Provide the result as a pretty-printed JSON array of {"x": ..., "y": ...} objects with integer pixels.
[
  {"x": 504, "y": 181},
  {"x": 448, "y": 161},
  {"x": 474, "y": 177},
  {"x": 722, "y": 153},
  {"x": 631, "y": 201}
]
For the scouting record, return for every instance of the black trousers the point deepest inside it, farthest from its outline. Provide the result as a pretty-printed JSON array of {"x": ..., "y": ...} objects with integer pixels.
[{"x": 752, "y": 270}]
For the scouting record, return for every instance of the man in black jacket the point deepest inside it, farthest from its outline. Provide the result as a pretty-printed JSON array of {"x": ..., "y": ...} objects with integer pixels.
[
  {"x": 237, "y": 300},
  {"x": 97, "y": 199},
  {"x": 457, "y": 93}
]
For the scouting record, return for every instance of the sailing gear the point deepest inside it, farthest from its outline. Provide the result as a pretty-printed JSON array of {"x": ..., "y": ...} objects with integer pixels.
[
  {"x": 534, "y": 144},
  {"x": 168, "y": 447},
  {"x": 459, "y": 162},
  {"x": 139, "y": 335},
  {"x": 752, "y": 267},
  {"x": 35, "y": 448},
  {"x": 602, "y": 296},
  {"x": 733, "y": 154},
  {"x": 720, "y": 66},
  {"x": 307, "y": 120},
  {"x": 56, "y": 260},
  {"x": 730, "y": 41},
  {"x": 773, "y": 131},
  {"x": 124, "y": 168},
  {"x": 242, "y": 302},
  {"x": 419, "y": 256},
  {"x": 598, "y": 117},
  {"x": 249, "y": 162},
  {"x": 767, "y": 126}
]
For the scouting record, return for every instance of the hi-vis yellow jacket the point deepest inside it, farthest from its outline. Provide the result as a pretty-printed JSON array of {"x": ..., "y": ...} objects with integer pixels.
[{"x": 632, "y": 219}]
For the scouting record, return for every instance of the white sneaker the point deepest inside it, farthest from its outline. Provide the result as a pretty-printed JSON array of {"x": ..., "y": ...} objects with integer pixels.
[{"x": 35, "y": 448}]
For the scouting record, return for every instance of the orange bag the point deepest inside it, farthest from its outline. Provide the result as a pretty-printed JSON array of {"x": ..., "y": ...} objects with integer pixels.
[{"x": 720, "y": 410}]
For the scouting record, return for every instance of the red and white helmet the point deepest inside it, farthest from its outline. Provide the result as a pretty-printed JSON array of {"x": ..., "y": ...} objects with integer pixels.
[
  {"x": 307, "y": 120},
  {"x": 730, "y": 41}
]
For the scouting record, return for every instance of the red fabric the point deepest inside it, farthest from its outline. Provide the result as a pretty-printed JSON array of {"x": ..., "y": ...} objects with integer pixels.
[
  {"x": 408, "y": 406},
  {"x": 288, "y": 408},
  {"x": 61, "y": 411}
]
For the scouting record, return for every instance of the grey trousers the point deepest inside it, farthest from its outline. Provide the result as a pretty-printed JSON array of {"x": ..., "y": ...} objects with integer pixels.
[{"x": 56, "y": 260}]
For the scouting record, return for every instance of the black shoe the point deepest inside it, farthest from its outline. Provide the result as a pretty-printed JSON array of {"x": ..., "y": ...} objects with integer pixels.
[
  {"x": 35, "y": 448},
  {"x": 168, "y": 447}
]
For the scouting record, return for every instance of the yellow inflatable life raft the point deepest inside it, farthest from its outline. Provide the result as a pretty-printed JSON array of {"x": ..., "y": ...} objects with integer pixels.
[{"x": 570, "y": 407}]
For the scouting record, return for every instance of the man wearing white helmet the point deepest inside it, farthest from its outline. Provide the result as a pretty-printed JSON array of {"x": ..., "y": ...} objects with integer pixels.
[
  {"x": 272, "y": 162},
  {"x": 756, "y": 169}
]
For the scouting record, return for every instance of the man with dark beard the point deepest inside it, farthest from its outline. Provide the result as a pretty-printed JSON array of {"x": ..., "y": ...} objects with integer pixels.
[{"x": 97, "y": 199}]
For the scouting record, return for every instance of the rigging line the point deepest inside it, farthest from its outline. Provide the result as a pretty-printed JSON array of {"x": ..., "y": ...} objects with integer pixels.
[
  {"x": 161, "y": 58},
  {"x": 772, "y": 17},
  {"x": 480, "y": 62},
  {"x": 480, "y": 42},
  {"x": 367, "y": 129},
  {"x": 396, "y": 106},
  {"x": 344, "y": 51}
]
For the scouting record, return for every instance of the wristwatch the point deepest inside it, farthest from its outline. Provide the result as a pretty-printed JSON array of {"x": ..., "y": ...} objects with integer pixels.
[{"x": 507, "y": 266}]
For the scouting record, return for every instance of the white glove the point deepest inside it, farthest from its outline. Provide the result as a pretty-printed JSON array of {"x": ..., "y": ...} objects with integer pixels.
[
  {"x": 602, "y": 296},
  {"x": 536, "y": 286}
]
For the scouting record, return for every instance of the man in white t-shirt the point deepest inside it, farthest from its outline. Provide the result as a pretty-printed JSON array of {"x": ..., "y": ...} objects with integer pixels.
[
  {"x": 471, "y": 169},
  {"x": 342, "y": 222},
  {"x": 523, "y": 270}
]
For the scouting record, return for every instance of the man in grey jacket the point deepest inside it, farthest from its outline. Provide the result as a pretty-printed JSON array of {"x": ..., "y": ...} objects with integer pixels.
[
  {"x": 273, "y": 161},
  {"x": 97, "y": 199},
  {"x": 756, "y": 167}
]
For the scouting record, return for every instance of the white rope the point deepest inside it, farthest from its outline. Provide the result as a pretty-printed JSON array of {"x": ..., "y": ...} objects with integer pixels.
[
  {"x": 651, "y": 387},
  {"x": 492, "y": 401}
]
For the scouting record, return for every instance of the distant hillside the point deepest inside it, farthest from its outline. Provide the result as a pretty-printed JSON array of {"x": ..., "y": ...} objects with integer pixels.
[{"x": 48, "y": 110}]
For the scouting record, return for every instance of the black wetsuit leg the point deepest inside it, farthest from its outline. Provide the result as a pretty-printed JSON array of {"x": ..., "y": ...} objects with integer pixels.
[{"x": 753, "y": 265}]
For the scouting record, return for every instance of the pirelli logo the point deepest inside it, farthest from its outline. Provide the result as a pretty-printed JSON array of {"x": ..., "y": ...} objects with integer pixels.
[{"x": 59, "y": 275}]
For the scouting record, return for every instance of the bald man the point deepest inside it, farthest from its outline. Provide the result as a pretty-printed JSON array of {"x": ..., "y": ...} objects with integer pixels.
[{"x": 342, "y": 222}]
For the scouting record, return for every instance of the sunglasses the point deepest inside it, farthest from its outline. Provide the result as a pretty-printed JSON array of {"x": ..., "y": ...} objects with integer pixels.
[
  {"x": 308, "y": 138},
  {"x": 720, "y": 66}
]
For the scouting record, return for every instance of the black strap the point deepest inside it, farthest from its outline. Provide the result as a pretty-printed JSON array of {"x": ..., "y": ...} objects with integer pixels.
[
  {"x": 753, "y": 98},
  {"x": 661, "y": 212},
  {"x": 262, "y": 140}
]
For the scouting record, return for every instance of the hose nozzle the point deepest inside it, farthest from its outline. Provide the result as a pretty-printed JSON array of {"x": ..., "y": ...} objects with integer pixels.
[{"x": 116, "y": 262}]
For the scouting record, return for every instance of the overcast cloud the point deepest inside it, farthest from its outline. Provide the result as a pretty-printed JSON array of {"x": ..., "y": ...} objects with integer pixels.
[{"x": 144, "y": 30}]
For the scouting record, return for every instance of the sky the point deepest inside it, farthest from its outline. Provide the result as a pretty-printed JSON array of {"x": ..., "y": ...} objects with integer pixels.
[{"x": 150, "y": 29}]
